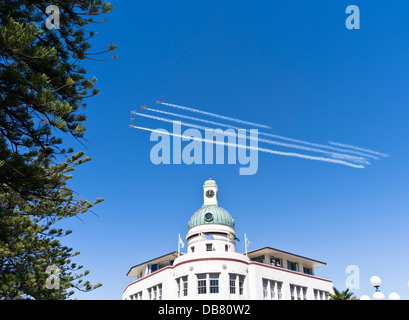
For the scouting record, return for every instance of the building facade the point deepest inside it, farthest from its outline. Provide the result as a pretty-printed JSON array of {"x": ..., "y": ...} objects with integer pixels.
[{"x": 211, "y": 269}]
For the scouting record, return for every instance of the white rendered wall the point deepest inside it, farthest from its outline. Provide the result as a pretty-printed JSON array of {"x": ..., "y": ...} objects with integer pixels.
[
  {"x": 259, "y": 271},
  {"x": 220, "y": 234},
  {"x": 224, "y": 263}
]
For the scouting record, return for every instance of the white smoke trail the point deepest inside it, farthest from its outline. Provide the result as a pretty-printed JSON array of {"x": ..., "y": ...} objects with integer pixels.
[
  {"x": 260, "y": 133},
  {"x": 351, "y": 158},
  {"x": 172, "y": 121},
  {"x": 193, "y": 118},
  {"x": 289, "y": 154},
  {"x": 332, "y": 154},
  {"x": 358, "y": 148},
  {"x": 216, "y": 115},
  {"x": 318, "y": 145}
]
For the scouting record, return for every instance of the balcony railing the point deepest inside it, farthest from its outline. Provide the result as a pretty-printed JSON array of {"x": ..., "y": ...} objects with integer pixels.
[{"x": 308, "y": 271}]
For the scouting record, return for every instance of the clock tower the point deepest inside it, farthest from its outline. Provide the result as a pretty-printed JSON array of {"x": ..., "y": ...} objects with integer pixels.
[
  {"x": 210, "y": 192},
  {"x": 211, "y": 228}
]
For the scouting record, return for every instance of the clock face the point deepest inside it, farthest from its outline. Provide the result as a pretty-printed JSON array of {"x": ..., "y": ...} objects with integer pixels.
[
  {"x": 208, "y": 217},
  {"x": 209, "y": 193}
]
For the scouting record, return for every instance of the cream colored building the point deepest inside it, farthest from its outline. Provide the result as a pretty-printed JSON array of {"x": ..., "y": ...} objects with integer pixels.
[{"x": 211, "y": 269}]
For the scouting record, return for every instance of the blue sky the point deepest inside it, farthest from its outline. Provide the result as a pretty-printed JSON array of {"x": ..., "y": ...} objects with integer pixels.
[{"x": 292, "y": 65}]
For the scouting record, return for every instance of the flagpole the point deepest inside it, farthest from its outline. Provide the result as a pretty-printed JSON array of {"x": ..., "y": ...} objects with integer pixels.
[
  {"x": 179, "y": 245},
  {"x": 245, "y": 243}
]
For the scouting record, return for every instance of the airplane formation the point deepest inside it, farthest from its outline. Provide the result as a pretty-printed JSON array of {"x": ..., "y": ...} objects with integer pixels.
[
  {"x": 348, "y": 155},
  {"x": 142, "y": 108}
]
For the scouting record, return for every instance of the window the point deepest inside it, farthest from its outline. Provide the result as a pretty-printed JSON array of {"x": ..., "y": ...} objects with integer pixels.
[
  {"x": 272, "y": 289},
  {"x": 155, "y": 292},
  {"x": 209, "y": 247},
  {"x": 272, "y": 293},
  {"x": 277, "y": 262},
  {"x": 233, "y": 283},
  {"x": 153, "y": 267},
  {"x": 241, "y": 282},
  {"x": 136, "y": 296},
  {"x": 298, "y": 292},
  {"x": 308, "y": 270},
  {"x": 208, "y": 282},
  {"x": 258, "y": 259},
  {"x": 185, "y": 283},
  {"x": 265, "y": 288},
  {"x": 292, "y": 265},
  {"x": 182, "y": 285},
  {"x": 214, "y": 282},
  {"x": 320, "y": 295},
  {"x": 279, "y": 295},
  {"x": 160, "y": 292},
  {"x": 226, "y": 247},
  {"x": 236, "y": 281},
  {"x": 192, "y": 249},
  {"x": 178, "y": 286},
  {"x": 201, "y": 283},
  {"x": 304, "y": 293}
]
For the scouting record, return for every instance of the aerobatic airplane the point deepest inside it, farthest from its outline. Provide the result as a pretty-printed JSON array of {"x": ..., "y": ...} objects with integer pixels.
[{"x": 159, "y": 101}]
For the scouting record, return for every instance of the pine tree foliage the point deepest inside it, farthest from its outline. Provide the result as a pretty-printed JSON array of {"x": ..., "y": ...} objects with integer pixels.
[{"x": 43, "y": 88}]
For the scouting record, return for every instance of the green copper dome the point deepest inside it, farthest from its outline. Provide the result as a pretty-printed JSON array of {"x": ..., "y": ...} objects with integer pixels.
[
  {"x": 211, "y": 214},
  {"x": 209, "y": 182}
]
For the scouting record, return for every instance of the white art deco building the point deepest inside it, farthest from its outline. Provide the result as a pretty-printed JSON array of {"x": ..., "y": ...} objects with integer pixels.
[{"x": 212, "y": 269}]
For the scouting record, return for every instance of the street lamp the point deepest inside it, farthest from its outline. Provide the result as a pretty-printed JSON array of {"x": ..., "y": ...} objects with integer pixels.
[
  {"x": 394, "y": 296},
  {"x": 378, "y": 295},
  {"x": 376, "y": 282}
]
